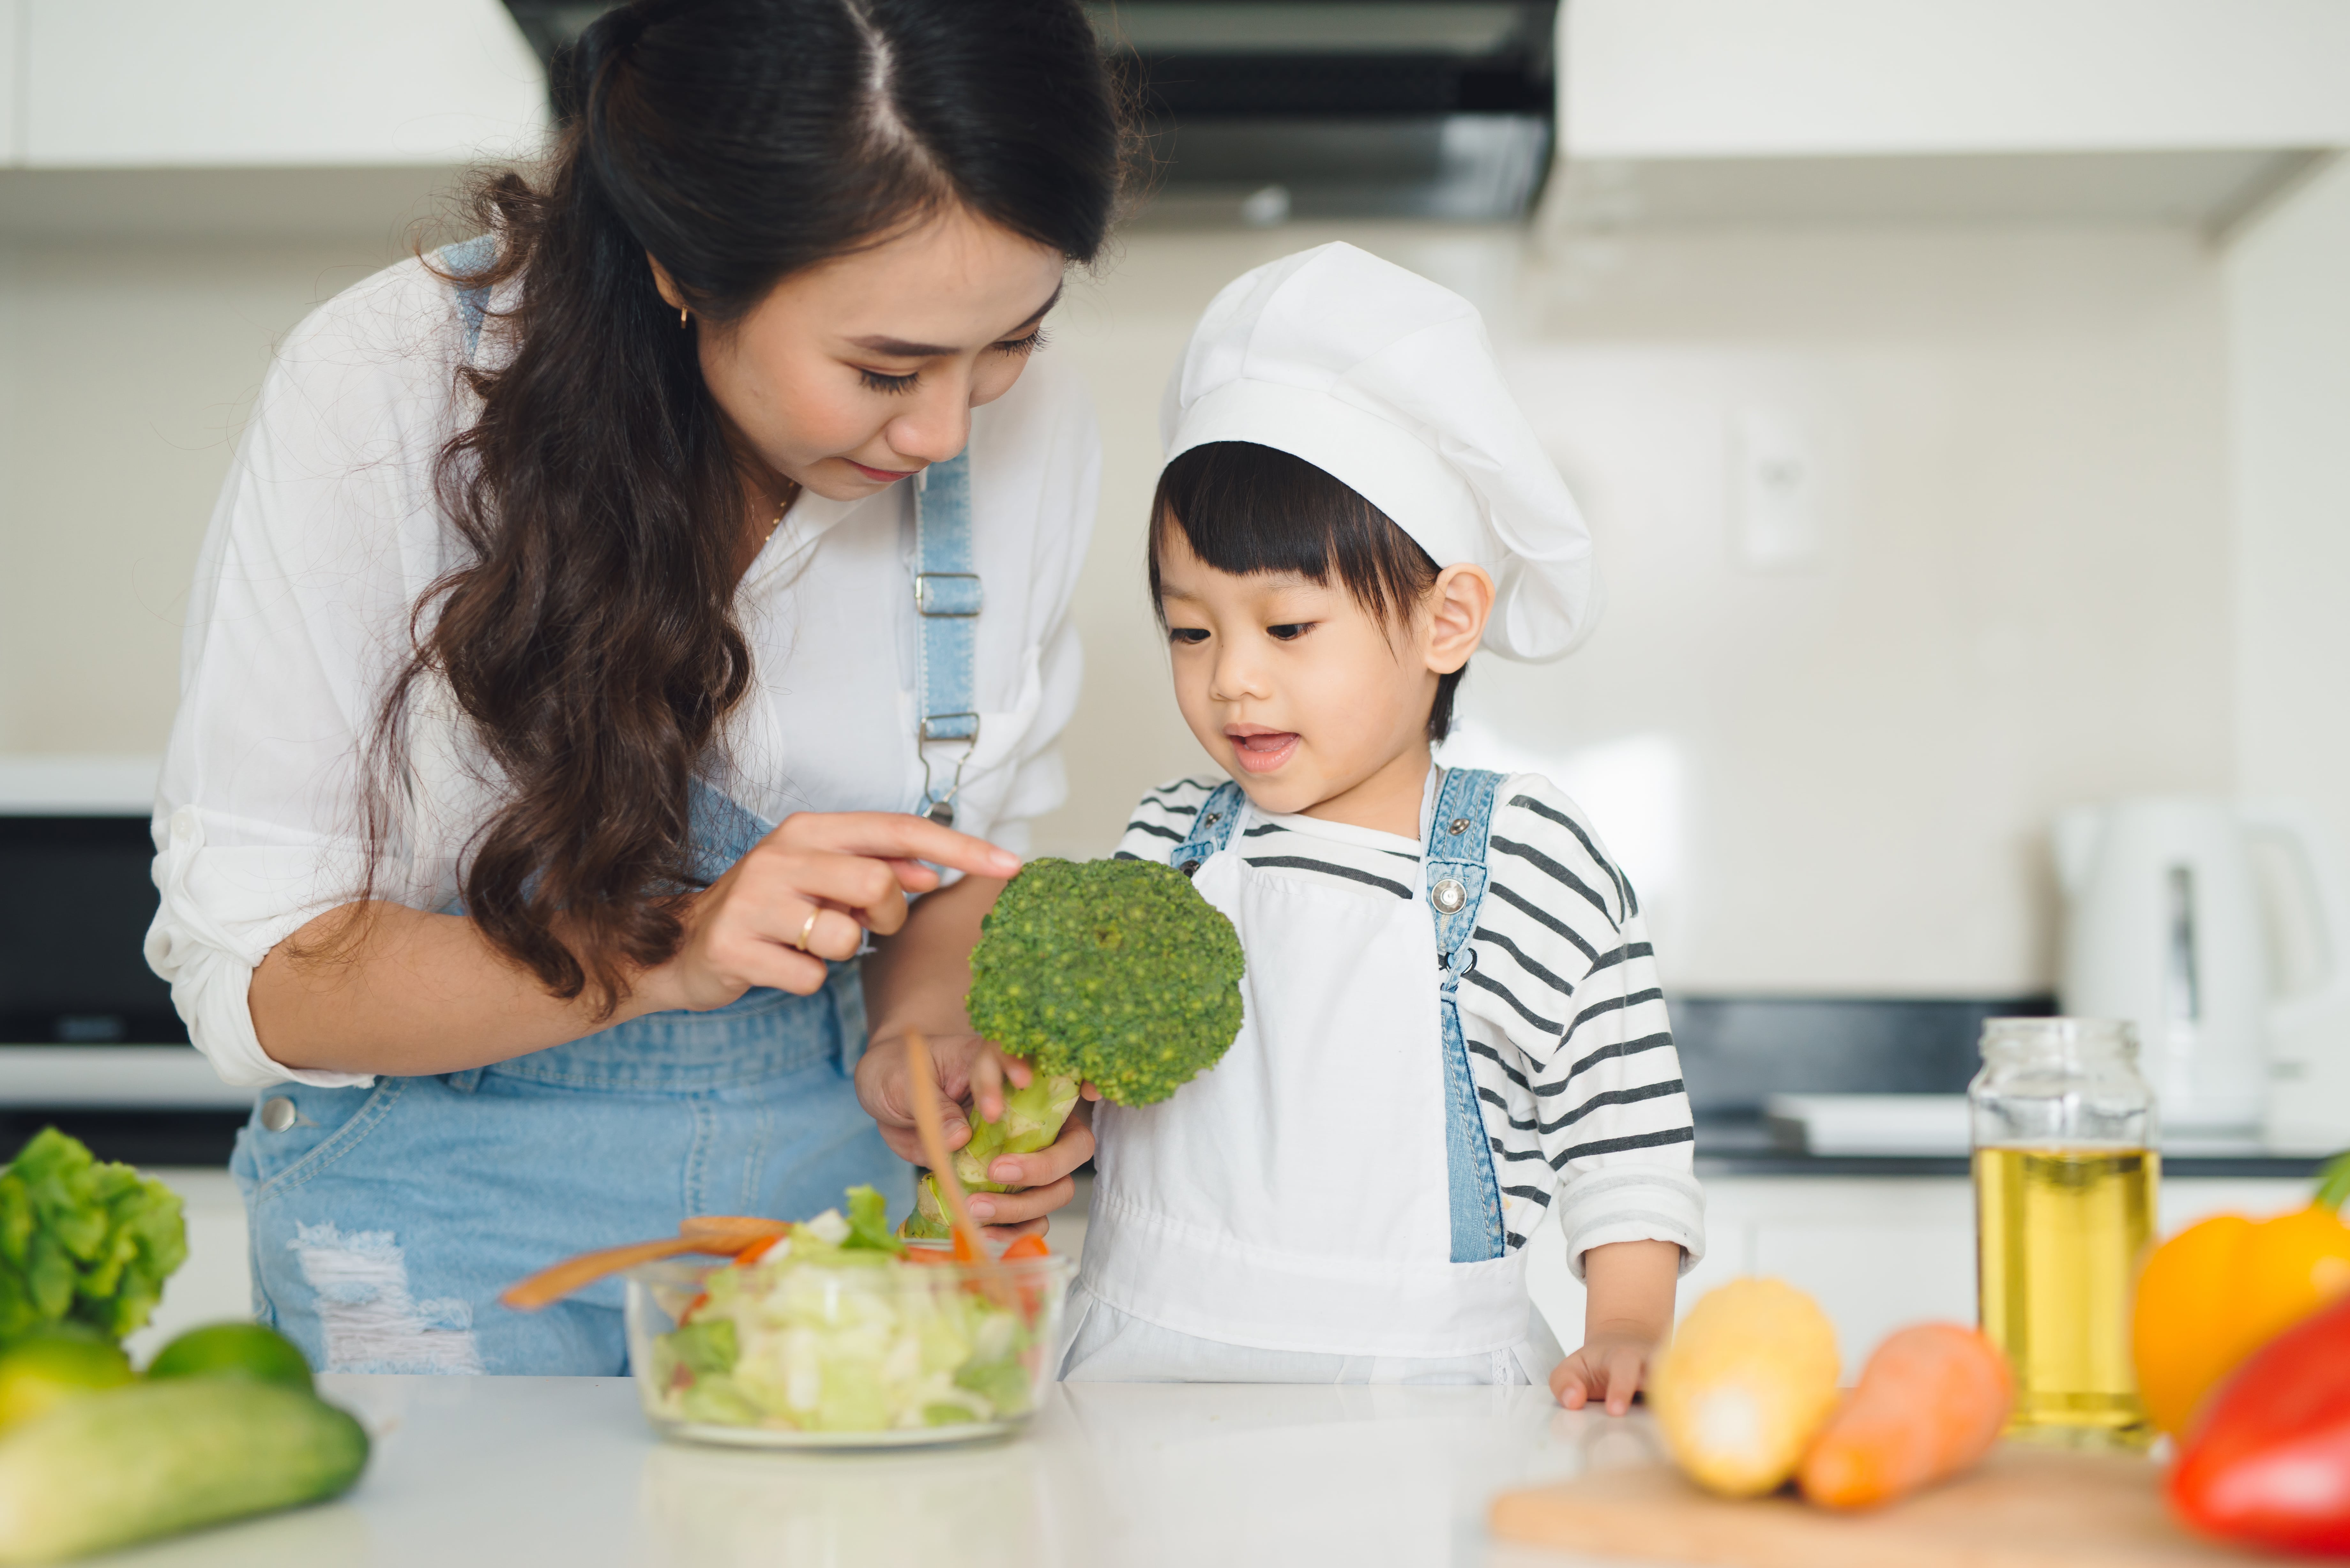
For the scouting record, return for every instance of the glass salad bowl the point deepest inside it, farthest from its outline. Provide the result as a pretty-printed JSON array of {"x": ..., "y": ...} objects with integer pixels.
[{"x": 812, "y": 1345}]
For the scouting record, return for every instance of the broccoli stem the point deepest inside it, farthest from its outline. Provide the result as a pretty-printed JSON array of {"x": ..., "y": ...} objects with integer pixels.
[{"x": 1032, "y": 1119}]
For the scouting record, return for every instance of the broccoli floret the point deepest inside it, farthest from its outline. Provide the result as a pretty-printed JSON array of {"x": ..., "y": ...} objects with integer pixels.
[
  {"x": 1112, "y": 970},
  {"x": 1115, "y": 971}
]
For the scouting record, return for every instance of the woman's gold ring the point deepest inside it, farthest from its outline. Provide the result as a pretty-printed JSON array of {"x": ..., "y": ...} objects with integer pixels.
[{"x": 807, "y": 931}]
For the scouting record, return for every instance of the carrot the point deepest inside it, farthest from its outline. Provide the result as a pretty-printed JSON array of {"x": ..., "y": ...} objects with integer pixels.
[
  {"x": 553, "y": 1284},
  {"x": 1029, "y": 1246},
  {"x": 756, "y": 1251},
  {"x": 1930, "y": 1403}
]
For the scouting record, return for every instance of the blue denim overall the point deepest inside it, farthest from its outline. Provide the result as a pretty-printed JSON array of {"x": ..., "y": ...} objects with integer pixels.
[
  {"x": 385, "y": 1220},
  {"x": 1453, "y": 874}
]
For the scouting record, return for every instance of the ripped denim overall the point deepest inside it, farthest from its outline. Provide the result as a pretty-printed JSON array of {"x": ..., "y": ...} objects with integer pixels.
[{"x": 385, "y": 1220}]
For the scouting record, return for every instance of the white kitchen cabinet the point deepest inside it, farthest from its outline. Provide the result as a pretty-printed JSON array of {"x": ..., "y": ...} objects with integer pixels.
[
  {"x": 1704, "y": 79},
  {"x": 2166, "y": 110},
  {"x": 12, "y": 81},
  {"x": 116, "y": 84},
  {"x": 1876, "y": 1252}
]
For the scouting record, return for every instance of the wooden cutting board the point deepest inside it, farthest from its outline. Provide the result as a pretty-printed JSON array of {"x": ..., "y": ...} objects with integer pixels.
[{"x": 2021, "y": 1508}]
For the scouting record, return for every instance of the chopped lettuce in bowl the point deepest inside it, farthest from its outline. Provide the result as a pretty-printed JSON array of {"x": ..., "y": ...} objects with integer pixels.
[{"x": 838, "y": 1334}]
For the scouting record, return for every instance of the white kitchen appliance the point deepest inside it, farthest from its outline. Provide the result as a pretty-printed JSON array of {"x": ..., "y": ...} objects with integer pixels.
[
  {"x": 2218, "y": 928},
  {"x": 1870, "y": 1125}
]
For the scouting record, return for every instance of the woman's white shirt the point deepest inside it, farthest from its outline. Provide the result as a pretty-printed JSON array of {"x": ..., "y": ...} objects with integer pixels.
[{"x": 328, "y": 533}]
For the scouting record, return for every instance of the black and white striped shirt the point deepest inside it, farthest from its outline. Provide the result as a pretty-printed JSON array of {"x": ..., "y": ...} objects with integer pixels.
[{"x": 1569, "y": 1044}]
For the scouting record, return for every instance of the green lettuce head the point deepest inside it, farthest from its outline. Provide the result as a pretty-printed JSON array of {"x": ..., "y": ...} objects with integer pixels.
[{"x": 82, "y": 1241}]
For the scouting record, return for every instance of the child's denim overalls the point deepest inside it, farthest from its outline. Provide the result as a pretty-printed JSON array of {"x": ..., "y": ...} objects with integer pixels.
[
  {"x": 1323, "y": 1206},
  {"x": 385, "y": 1220}
]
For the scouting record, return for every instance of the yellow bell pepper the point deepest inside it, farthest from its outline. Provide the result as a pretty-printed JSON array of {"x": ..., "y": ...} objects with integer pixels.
[{"x": 2220, "y": 1289}]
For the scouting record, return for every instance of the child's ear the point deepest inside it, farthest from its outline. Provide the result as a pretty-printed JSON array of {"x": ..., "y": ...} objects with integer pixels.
[{"x": 1459, "y": 604}]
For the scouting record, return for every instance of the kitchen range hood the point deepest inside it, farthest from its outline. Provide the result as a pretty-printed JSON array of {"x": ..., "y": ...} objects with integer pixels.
[
  {"x": 1264, "y": 109},
  {"x": 1256, "y": 110}
]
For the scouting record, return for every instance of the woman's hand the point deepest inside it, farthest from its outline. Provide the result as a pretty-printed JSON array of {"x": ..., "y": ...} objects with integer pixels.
[
  {"x": 969, "y": 1069},
  {"x": 807, "y": 892}
]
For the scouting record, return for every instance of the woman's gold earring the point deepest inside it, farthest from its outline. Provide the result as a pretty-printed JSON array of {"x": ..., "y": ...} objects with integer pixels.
[{"x": 680, "y": 316}]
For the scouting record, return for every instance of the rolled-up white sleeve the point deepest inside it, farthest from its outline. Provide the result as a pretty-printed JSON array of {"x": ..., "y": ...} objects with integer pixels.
[
  {"x": 1632, "y": 1203},
  {"x": 219, "y": 916},
  {"x": 300, "y": 599}
]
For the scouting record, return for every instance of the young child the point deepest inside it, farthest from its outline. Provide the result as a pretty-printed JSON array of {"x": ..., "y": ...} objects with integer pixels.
[{"x": 1452, "y": 1017}]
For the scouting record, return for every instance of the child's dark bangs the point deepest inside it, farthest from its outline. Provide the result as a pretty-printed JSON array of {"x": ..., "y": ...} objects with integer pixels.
[{"x": 1246, "y": 509}]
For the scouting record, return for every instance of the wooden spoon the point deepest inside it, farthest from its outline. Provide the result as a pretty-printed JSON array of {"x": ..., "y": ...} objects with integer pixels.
[
  {"x": 932, "y": 1127},
  {"x": 551, "y": 1284}
]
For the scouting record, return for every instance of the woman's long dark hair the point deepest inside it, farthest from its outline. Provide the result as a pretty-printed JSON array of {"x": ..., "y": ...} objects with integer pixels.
[{"x": 590, "y": 640}]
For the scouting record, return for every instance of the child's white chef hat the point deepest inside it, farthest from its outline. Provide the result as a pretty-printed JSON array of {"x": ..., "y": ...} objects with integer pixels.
[{"x": 1386, "y": 381}]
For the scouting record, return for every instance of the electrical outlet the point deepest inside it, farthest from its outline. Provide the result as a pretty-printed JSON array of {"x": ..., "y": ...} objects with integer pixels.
[{"x": 1777, "y": 491}]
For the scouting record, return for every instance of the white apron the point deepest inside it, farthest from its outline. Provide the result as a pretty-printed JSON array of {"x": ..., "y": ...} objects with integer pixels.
[{"x": 1295, "y": 1196}]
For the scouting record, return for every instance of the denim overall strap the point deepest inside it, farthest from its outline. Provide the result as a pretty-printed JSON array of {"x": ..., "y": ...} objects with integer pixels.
[
  {"x": 1455, "y": 866},
  {"x": 1210, "y": 830},
  {"x": 947, "y": 596},
  {"x": 468, "y": 258}
]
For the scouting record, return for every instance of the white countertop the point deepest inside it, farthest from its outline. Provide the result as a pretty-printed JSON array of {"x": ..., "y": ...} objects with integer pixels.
[{"x": 519, "y": 1471}]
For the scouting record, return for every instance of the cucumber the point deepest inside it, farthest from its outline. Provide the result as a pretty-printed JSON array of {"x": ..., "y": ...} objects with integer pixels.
[{"x": 154, "y": 1459}]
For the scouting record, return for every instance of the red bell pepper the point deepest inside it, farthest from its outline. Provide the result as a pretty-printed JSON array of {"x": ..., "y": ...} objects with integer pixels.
[{"x": 2269, "y": 1461}]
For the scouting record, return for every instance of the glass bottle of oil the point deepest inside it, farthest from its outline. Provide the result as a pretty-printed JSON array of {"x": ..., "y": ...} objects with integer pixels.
[{"x": 2066, "y": 1172}]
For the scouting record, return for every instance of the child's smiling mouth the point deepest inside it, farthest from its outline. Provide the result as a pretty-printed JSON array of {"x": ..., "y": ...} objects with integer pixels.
[{"x": 1260, "y": 750}]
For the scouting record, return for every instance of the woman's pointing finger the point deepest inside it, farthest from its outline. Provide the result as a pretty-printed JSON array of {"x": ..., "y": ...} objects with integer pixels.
[{"x": 898, "y": 836}]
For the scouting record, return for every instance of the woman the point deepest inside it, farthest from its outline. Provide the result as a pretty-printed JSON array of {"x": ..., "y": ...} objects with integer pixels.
[{"x": 711, "y": 488}]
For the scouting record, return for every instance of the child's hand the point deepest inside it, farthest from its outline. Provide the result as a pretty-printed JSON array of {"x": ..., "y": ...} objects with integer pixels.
[
  {"x": 1611, "y": 1365},
  {"x": 1627, "y": 1311},
  {"x": 972, "y": 1071}
]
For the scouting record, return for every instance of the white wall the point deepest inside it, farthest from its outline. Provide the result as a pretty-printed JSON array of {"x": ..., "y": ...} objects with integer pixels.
[
  {"x": 126, "y": 369},
  {"x": 1829, "y": 775},
  {"x": 2287, "y": 280},
  {"x": 2287, "y": 283},
  {"x": 1834, "y": 774}
]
